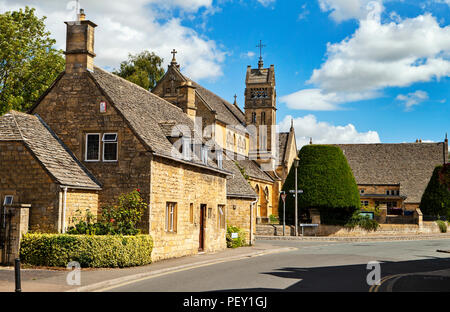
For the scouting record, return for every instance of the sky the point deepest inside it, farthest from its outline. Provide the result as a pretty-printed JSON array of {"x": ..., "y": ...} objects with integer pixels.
[{"x": 347, "y": 71}]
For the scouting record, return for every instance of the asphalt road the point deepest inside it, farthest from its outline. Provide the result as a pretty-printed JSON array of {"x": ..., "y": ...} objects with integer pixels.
[{"x": 317, "y": 266}]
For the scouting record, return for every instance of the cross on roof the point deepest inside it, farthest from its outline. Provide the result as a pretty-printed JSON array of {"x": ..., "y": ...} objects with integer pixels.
[
  {"x": 260, "y": 46},
  {"x": 173, "y": 58},
  {"x": 235, "y": 96}
]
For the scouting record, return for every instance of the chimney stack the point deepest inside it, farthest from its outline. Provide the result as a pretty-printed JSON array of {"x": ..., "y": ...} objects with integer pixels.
[{"x": 80, "y": 45}]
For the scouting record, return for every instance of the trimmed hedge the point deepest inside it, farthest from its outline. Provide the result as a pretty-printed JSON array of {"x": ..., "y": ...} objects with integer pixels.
[
  {"x": 436, "y": 197},
  {"x": 102, "y": 251},
  {"x": 328, "y": 185}
]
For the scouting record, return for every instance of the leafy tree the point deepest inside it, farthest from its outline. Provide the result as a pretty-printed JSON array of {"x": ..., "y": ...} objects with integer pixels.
[
  {"x": 28, "y": 61},
  {"x": 143, "y": 69},
  {"x": 436, "y": 198},
  {"x": 327, "y": 183}
]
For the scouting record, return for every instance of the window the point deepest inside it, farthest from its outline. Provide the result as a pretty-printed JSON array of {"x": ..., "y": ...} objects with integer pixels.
[
  {"x": 186, "y": 149},
  {"x": 8, "y": 200},
  {"x": 171, "y": 217},
  {"x": 221, "y": 216},
  {"x": 366, "y": 203},
  {"x": 110, "y": 147},
  {"x": 263, "y": 118},
  {"x": 397, "y": 192},
  {"x": 205, "y": 155},
  {"x": 191, "y": 213},
  {"x": 92, "y": 147},
  {"x": 361, "y": 191},
  {"x": 253, "y": 118},
  {"x": 387, "y": 192},
  {"x": 219, "y": 159}
]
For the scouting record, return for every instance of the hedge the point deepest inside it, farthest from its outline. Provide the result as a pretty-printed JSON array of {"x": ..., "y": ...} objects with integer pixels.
[
  {"x": 327, "y": 182},
  {"x": 94, "y": 251},
  {"x": 436, "y": 197}
]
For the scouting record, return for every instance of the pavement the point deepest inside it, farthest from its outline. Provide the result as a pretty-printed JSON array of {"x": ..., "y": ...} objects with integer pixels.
[
  {"x": 55, "y": 280},
  {"x": 354, "y": 238}
]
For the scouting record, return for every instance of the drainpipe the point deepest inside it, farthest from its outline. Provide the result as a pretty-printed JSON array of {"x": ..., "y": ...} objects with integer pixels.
[
  {"x": 251, "y": 220},
  {"x": 64, "y": 210}
]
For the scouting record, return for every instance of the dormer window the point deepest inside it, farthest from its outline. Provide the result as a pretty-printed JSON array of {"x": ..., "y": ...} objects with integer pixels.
[
  {"x": 110, "y": 147},
  {"x": 186, "y": 148},
  {"x": 219, "y": 159}
]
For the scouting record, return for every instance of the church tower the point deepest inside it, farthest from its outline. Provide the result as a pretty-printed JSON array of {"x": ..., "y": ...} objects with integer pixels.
[{"x": 260, "y": 111}]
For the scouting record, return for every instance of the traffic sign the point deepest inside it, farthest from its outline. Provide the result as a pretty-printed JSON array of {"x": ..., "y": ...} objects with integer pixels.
[
  {"x": 298, "y": 191},
  {"x": 283, "y": 197}
]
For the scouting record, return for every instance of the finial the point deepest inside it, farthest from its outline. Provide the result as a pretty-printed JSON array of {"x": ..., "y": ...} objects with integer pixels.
[
  {"x": 446, "y": 139},
  {"x": 292, "y": 123},
  {"x": 260, "y": 62},
  {"x": 235, "y": 102},
  {"x": 310, "y": 140},
  {"x": 82, "y": 15},
  {"x": 174, "y": 61}
]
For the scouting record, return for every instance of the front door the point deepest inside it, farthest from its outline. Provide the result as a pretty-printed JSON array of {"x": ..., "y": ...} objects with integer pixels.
[{"x": 201, "y": 239}]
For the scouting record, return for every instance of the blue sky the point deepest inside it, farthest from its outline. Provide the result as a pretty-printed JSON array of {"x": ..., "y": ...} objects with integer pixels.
[{"x": 347, "y": 71}]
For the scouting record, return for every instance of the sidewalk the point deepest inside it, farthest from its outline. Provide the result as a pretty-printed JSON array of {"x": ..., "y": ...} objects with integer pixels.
[
  {"x": 49, "y": 280},
  {"x": 357, "y": 238}
]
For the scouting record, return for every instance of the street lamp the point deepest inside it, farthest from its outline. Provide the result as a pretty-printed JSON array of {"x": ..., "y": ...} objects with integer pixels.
[{"x": 296, "y": 163}]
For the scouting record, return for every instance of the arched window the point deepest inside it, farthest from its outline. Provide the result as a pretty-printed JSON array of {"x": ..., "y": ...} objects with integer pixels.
[
  {"x": 266, "y": 193},
  {"x": 263, "y": 118},
  {"x": 253, "y": 117}
]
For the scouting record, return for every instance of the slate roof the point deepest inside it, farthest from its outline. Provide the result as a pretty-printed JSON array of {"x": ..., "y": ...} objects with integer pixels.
[
  {"x": 253, "y": 170},
  {"x": 283, "y": 138},
  {"x": 150, "y": 116},
  {"x": 408, "y": 164},
  {"x": 237, "y": 185},
  {"x": 48, "y": 149}
]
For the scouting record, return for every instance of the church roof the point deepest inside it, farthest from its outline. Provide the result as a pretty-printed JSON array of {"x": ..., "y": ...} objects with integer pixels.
[
  {"x": 237, "y": 185},
  {"x": 408, "y": 164},
  {"x": 283, "y": 138},
  {"x": 259, "y": 75},
  {"x": 47, "y": 148},
  {"x": 148, "y": 115}
]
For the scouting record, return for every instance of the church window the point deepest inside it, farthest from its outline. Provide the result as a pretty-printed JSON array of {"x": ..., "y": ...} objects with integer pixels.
[
  {"x": 171, "y": 217},
  {"x": 253, "y": 117},
  {"x": 110, "y": 147},
  {"x": 92, "y": 147},
  {"x": 263, "y": 118}
]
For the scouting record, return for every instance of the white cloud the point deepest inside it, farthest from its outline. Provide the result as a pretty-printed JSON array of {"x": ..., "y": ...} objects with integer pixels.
[
  {"x": 249, "y": 54},
  {"x": 266, "y": 2},
  {"x": 413, "y": 98},
  {"x": 324, "y": 133},
  {"x": 304, "y": 12},
  {"x": 398, "y": 53},
  {"x": 342, "y": 10},
  {"x": 134, "y": 26}
]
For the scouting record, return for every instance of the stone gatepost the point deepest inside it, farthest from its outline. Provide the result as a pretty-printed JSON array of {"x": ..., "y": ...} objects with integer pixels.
[{"x": 17, "y": 219}]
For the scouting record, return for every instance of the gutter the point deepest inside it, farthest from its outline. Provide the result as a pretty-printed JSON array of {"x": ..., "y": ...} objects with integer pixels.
[
  {"x": 64, "y": 210},
  {"x": 251, "y": 220}
]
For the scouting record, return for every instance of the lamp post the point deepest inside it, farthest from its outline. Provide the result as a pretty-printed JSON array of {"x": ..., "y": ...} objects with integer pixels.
[{"x": 296, "y": 163}]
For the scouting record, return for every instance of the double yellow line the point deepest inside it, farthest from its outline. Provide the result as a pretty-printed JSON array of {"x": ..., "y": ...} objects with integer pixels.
[{"x": 375, "y": 288}]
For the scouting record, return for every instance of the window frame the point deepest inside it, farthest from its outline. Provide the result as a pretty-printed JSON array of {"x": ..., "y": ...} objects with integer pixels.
[
  {"x": 8, "y": 196},
  {"x": 171, "y": 217},
  {"x": 109, "y": 142},
  {"x": 221, "y": 216},
  {"x": 87, "y": 146}
]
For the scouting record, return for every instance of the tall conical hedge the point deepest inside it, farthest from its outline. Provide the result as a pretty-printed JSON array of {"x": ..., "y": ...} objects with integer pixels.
[
  {"x": 436, "y": 198},
  {"x": 327, "y": 182}
]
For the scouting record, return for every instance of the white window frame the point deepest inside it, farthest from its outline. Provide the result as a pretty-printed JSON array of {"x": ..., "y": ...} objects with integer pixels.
[
  {"x": 221, "y": 216},
  {"x": 86, "y": 148},
  {"x": 170, "y": 216},
  {"x": 205, "y": 155},
  {"x": 109, "y": 141},
  {"x": 219, "y": 157},
  {"x": 8, "y": 196}
]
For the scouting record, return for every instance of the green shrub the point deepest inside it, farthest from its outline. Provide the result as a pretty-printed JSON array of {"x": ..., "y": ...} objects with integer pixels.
[
  {"x": 442, "y": 226},
  {"x": 436, "y": 197},
  {"x": 106, "y": 251},
  {"x": 235, "y": 242},
  {"x": 119, "y": 219},
  {"x": 273, "y": 219},
  {"x": 363, "y": 222},
  {"x": 327, "y": 182}
]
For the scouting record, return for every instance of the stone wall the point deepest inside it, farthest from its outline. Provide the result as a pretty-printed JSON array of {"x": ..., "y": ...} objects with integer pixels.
[
  {"x": 239, "y": 215},
  {"x": 185, "y": 185},
  {"x": 78, "y": 202},
  {"x": 72, "y": 109},
  {"x": 22, "y": 176},
  {"x": 17, "y": 218}
]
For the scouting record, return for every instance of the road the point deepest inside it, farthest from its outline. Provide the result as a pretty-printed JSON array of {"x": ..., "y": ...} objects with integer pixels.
[{"x": 316, "y": 266}]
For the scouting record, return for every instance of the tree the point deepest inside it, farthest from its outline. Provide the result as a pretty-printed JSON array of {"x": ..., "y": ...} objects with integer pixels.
[
  {"x": 143, "y": 69},
  {"x": 28, "y": 61},
  {"x": 327, "y": 183},
  {"x": 436, "y": 198}
]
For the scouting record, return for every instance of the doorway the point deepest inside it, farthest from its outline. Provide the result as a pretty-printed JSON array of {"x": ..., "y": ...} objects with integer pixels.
[{"x": 201, "y": 239}]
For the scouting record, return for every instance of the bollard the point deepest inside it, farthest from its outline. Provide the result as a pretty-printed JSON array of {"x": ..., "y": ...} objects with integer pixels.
[{"x": 17, "y": 274}]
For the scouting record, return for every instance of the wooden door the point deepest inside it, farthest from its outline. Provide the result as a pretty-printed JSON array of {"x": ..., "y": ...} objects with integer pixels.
[{"x": 201, "y": 239}]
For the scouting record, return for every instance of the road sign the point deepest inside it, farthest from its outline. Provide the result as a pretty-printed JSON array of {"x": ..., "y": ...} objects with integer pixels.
[
  {"x": 283, "y": 197},
  {"x": 298, "y": 191}
]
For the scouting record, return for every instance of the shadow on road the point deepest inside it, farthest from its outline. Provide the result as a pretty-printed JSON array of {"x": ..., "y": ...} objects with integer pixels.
[{"x": 352, "y": 278}]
